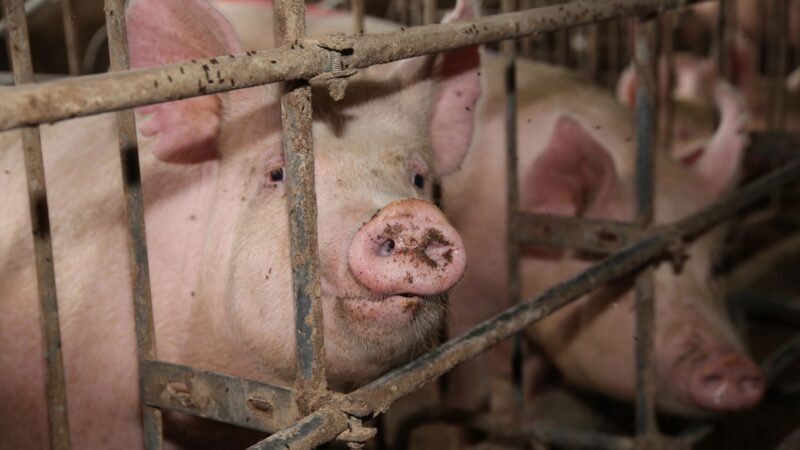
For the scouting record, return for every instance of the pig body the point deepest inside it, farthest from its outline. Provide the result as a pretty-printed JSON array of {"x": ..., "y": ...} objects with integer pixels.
[
  {"x": 576, "y": 152},
  {"x": 217, "y": 232}
]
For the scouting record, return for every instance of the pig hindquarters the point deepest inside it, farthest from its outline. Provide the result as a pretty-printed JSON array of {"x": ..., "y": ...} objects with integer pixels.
[
  {"x": 576, "y": 155},
  {"x": 217, "y": 231}
]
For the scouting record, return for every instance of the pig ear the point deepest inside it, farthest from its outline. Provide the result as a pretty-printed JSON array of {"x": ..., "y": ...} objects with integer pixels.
[
  {"x": 718, "y": 164},
  {"x": 459, "y": 87},
  {"x": 456, "y": 87},
  {"x": 626, "y": 86},
  {"x": 573, "y": 176},
  {"x": 162, "y": 32}
]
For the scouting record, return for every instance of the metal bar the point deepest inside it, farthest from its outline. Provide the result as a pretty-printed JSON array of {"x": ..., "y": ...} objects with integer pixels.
[
  {"x": 31, "y": 6},
  {"x": 55, "y": 388},
  {"x": 71, "y": 38},
  {"x": 780, "y": 17},
  {"x": 781, "y": 359},
  {"x": 726, "y": 21},
  {"x": 357, "y": 10},
  {"x": 790, "y": 442},
  {"x": 429, "y": 12},
  {"x": 378, "y": 395},
  {"x": 298, "y": 149},
  {"x": 646, "y": 57},
  {"x": 134, "y": 215},
  {"x": 310, "y": 432},
  {"x": 593, "y": 235},
  {"x": 83, "y": 96},
  {"x": 509, "y": 49},
  {"x": 667, "y": 24},
  {"x": 237, "y": 401}
]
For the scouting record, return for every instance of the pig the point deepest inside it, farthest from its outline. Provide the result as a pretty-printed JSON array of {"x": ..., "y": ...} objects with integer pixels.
[
  {"x": 576, "y": 152},
  {"x": 217, "y": 231},
  {"x": 695, "y": 369}
]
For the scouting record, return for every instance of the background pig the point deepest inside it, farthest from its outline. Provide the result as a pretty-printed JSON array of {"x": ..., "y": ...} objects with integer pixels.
[
  {"x": 217, "y": 232},
  {"x": 575, "y": 158}
]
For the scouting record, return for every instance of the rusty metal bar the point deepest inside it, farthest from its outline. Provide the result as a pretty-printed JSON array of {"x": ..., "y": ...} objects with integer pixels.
[
  {"x": 357, "y": 10},
  {"x": 301, "y": 198},
  {"x": 237, "y": 401},
  {"x": 134, "y": 215},
  {"x": 509, "y": 49},
  {"x": 310, "y": 432},
  {"x": 378, "y": 395},
  {"x": 55, "y": 388},
  {"x": 71, "y": 38},
  {"x": 726, "y": 23},
  {"x": 429, "y": 12},
  {"x": 780, "y": 16},
  {"x": 646, "y": 57},
  {"x": 667, "y": 24},
  {"x": 31, "y": 6},
  {"x": 791, "y": 442},
  {"x": 593, "y": 235},
  {"x": 83, "y": 96}
]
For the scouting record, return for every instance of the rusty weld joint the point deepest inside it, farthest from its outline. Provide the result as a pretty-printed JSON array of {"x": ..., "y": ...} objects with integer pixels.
[
  {"x": 338, "y": 45},
  {"x": 356, "y": 433},
  {"x": 678, "y": 254}
]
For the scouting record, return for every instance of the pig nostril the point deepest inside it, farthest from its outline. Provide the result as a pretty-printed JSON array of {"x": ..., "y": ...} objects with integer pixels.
[
  {"x": 712, "y": 380},
  {"x": 387, "y": 247},
  {"x": 751, "y": 384}
]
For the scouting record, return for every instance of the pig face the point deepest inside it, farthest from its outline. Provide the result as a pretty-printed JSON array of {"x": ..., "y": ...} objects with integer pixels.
[
  {"x": 386, "y": 255},
  {"x": 701, "y": 366}
]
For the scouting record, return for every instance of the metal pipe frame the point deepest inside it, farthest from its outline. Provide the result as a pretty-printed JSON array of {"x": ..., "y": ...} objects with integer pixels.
[{"x": 267, "y": 408}]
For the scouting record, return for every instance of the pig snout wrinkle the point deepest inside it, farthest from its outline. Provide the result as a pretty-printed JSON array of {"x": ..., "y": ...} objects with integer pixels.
[
  {"x": 408, "y": 247},
  {"x": 727, "y": 383}
]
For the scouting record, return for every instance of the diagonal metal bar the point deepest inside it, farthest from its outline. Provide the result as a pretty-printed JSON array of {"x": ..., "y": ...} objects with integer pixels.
[
  {"x": 134, "y": 216},
  {"x": 593, "y": 235},
  {"x": 93, "y": 94},
  {"x": 55, "y": 387}
]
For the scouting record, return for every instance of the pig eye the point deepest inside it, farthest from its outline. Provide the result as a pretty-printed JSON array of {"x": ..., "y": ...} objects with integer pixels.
[
  {"x": 418, "y": 180},
  {"x": 276, "y": 175}
]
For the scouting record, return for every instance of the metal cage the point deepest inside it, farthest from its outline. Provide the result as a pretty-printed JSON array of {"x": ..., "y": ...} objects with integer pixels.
[{"x": 310, "y": 414}]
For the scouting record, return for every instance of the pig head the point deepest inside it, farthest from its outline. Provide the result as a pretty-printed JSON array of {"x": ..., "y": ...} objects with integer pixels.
[
  {"x": 576, "y": 155},
  {"x": 386, "y": 255}
]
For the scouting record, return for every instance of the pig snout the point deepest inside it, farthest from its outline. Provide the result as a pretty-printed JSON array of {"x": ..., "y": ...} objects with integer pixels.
[
  {"x": 727, "y": 382},
  {"x": 407, "y": 248}
]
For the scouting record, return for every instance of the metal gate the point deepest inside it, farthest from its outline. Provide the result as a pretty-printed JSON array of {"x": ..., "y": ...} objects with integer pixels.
[{"x": 310, "y": 414}]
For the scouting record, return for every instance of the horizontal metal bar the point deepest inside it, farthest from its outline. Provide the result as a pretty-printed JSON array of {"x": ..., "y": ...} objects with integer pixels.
[
  {"x": 378, "y": 395},
  {"x": 93, "y": 94},
  {"x": 215, "y": 396},
  {"x": 595, "y": 235}
]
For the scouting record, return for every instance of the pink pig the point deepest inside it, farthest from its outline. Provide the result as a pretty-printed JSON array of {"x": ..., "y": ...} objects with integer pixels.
[
  {"x": 217, "y": 231},
  {"x": 576, "y": 152}
]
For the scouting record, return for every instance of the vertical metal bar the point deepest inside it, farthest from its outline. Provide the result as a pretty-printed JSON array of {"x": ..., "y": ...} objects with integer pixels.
[
  {"x": 509, "y": 49},
  {"x": 780, "y": 23},
  {"x": 724, "y": 48},
  {"x": 298, "y": 149},
  {"x": 357, "y": 10},
  {"x": 527, "y": 43},
  {"x": 55, "y": 388},
  {"x": 429, "y": 12},
  {"x": 71, "y": 38},
  {"x": 402, "y": 11},
  {"x": 589, "y": 62},
  {"x": 134, "y": 215},
  {"x": 646, "y": 59},
  {"x": 667, "y": 23},
  {"x": 612, "y": 52}
]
